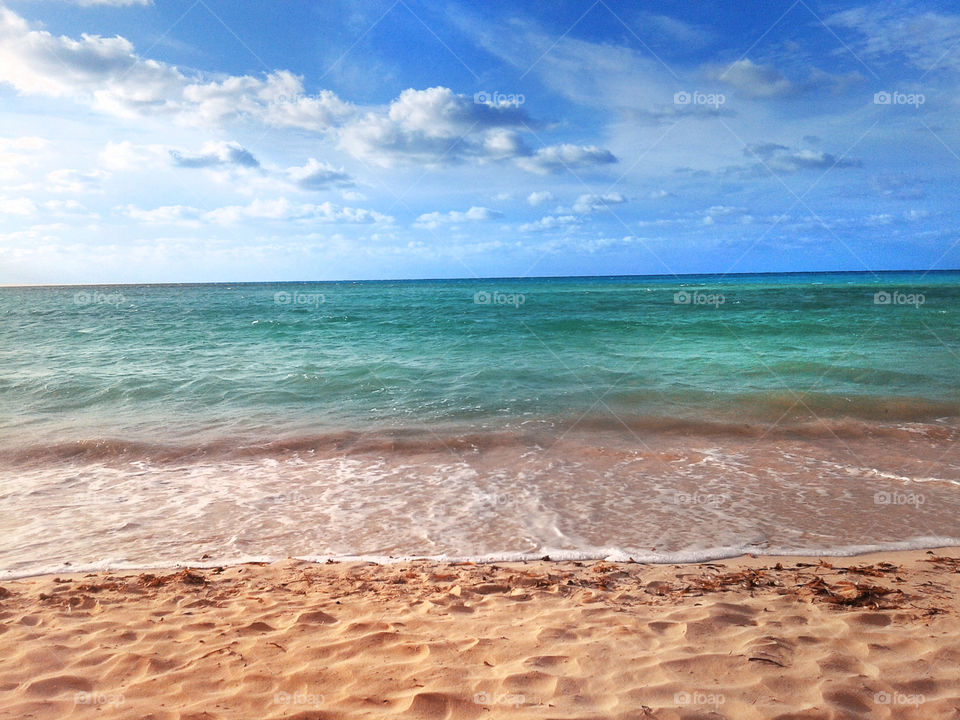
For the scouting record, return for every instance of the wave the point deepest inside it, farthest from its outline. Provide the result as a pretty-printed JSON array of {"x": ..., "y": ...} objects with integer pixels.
[
  {"x": 621, "y": 555},
  {"x": 595, "y": 430}
]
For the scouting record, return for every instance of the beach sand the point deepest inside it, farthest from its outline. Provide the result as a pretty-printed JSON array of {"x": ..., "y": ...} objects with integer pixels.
[{"x": 876, "y": 636}]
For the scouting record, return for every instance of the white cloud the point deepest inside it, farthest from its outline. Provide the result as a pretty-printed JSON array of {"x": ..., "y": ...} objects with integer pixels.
[
  {"x": 283, "y": 209},
  {"x": 758, "y": 81},
  {"x": 69, "y": 207},
  {"x": 431, "y": 127},
  {"x": 474, "y": 214},
  {"x": 780, "y": 158},
  {"x": 17, "y": 153},
  {"x": 216, "y": 154},
  {"x": 17, "y": 206},
  {"x": 879, "y": 219},
  {"x": 537, "y": 198},
  {"x": 548, "y": 222},
  {"x": 125, "y": 155},
  {"x": 23, "y": 143},
  {"x": 68, "y": 180},
  {"x": 317, "y": 175},
  {"x": 164, "y": 215},
  {"x": 558, "y": 158},
  {"x": 590, "y": 202},
  {"x": 434, "y": 126},
  {"x": 106, "y": 74},
  {"x": 888, "y": 30}
]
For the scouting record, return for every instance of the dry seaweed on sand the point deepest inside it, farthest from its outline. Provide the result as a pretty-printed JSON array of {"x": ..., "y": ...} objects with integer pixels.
[{"x": 945, "y": 561}]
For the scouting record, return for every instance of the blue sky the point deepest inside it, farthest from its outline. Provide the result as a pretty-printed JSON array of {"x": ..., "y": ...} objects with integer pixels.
[{"x": 201, "y": 140}]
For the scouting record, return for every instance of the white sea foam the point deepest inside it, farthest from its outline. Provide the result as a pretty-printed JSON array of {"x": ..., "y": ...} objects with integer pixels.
[{"x": 574, "y": 501}]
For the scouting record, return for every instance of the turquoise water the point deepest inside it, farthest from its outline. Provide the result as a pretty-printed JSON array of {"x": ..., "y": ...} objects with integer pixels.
[
  {"x": 654, "y": 417},
  {"x": 179, "y": 363}
]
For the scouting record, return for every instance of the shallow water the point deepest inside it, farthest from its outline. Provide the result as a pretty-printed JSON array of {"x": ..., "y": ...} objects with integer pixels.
[{"x": 593, "y": 417}]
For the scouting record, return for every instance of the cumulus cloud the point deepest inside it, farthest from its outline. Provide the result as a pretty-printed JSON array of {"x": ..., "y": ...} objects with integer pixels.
[
  {"x": 316, "y": 175},
  {"x": 283, "y": 209},
  {"x": 540, "y": 197},
  {"x": 108, "y": 75},
  {"x": 431, "y": 127},
  {"x": 474, "y": 214},
  {"x": 548, "y": 222},
  {"x": 435, "y": 126},
  {"x": 780, "y": 158},
  {"x": 216, "y": 155},
  {"x": 558, "y": 158},
  {"x": 590, "y": 202},
  {"x": 727, "y": 213}
]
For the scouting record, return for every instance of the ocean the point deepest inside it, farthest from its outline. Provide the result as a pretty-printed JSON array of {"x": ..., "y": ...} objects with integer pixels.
[{"x": 654, "y": 418}]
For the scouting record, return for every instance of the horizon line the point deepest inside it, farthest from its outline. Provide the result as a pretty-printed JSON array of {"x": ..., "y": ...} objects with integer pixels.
[{"x": 483, "y": 279}]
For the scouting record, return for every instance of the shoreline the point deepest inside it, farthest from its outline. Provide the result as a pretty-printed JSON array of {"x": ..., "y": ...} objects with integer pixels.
[
  {"x": 872, "y": 635},
  {"x": 679, "y": 558}
]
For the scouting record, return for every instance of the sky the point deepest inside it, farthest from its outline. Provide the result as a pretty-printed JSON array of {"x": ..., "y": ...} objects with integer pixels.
[{"x": 215, "y": 141}]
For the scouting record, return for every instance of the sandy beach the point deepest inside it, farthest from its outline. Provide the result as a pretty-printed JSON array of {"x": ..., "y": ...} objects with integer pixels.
[{"x": 874, "y": 636}]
